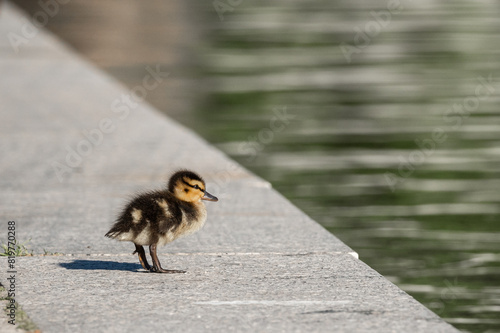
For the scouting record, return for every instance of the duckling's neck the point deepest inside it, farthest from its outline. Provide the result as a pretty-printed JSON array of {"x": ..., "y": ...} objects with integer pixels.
[{"x": 193, "y": 210}]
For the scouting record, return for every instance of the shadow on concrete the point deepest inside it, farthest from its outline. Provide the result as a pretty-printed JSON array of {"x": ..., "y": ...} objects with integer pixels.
[{"x": 101, "y": 265}]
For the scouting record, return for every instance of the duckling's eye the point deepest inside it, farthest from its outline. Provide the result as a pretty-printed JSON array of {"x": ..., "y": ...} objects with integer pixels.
[{"x": 196, "y": 187}]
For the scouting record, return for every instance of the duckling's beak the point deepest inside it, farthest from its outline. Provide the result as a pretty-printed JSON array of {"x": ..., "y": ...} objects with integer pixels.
[{"x": 209, "y": 197}]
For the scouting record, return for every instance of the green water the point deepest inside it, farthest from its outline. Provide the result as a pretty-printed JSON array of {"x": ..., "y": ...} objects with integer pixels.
[
  {"x": 394, "y": 144},
  {"x": 381, "y": 124}
]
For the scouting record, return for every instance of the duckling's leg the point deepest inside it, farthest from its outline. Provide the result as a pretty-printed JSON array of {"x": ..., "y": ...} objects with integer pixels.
[
  {"x": 156, "y": 263},
  {"x": 142, "y": 256}
]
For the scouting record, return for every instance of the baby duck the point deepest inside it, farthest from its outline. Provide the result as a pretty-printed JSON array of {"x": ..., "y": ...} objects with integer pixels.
[{"x": 159, "y": 217}]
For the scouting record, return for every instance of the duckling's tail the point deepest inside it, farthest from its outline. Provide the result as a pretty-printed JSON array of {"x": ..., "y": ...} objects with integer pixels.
[
  {"x": 113, "y": 233},
  {"x": 118, "y": 230}
]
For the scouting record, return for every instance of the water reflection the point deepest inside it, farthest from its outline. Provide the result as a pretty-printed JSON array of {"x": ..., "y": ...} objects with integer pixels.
[{"x": 394, "y": 141}]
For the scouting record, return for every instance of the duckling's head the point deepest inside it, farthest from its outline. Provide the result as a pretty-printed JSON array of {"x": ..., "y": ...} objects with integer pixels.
[{"x": 188, "y": 186}]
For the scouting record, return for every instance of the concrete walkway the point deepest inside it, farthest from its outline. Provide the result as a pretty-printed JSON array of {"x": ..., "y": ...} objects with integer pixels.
[{"x": 76, "y": 145}]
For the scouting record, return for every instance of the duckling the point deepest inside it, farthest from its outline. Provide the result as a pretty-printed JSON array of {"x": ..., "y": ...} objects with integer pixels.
[{"x": 159, "y": 217}]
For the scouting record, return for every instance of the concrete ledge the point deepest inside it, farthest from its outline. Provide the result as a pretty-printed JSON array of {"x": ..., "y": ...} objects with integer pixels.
[
  {"x": 260, "y": 264},
  {"x": 220, "y": 292}
]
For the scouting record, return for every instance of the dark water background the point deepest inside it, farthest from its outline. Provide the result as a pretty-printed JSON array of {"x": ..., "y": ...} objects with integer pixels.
[{"x": 380, "y": 121}]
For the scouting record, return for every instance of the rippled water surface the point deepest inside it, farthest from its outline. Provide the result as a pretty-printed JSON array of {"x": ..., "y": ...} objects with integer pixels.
[
  {"x": 383, "y": 125},
  {"x": 394, "y": 144}
]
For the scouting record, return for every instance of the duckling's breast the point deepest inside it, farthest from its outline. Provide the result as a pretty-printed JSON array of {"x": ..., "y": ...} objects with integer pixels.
[{"x": 193, "y": 219}]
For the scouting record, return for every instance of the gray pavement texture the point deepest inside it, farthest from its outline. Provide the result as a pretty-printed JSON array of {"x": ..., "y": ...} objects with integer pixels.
[{"x": 258, "y": 265}]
